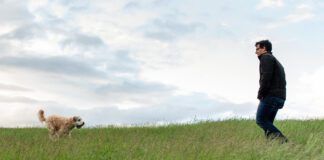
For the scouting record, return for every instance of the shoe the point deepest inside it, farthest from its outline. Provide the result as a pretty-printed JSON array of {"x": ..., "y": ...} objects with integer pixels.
[{"x": 277, "y": 136}]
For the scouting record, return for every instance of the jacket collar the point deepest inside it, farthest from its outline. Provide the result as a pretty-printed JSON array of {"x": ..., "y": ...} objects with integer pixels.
[{"x": 264, "y": 54}]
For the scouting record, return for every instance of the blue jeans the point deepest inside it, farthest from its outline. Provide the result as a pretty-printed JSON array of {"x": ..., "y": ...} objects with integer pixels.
[{"x": 267, "y": 111}]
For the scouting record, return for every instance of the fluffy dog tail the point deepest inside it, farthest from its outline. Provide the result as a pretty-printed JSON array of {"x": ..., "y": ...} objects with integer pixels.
[{"x": 41, "y": 116}]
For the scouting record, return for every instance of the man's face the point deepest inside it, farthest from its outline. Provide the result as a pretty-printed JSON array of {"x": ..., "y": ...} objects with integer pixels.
[{"x": 259, "y": 51}]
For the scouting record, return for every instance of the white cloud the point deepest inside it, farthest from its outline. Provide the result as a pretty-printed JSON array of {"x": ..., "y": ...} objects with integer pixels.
[
  {"x": 169, "y": 29},
  {"x": 270, "y": 3},
  {"x": 208, "y": 66},
  {"x": 306, "y": 97},
  {"x": 130, "y": 59},
  {"x": 14, "y": 12},
  {"x": 312, "y": 86},
  {"x": 301, "y": 13},
  {"x": 5, "y": 28},
  {"x": 174, "y": 109},
  {"x": 10, "y": 87}
]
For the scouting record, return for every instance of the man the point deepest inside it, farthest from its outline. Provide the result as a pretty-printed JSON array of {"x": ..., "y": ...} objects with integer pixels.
[{"x": 272, "y": 91}]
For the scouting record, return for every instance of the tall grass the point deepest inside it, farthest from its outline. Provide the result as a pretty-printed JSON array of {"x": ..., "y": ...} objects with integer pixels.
[{"x": 230, "y": 139}]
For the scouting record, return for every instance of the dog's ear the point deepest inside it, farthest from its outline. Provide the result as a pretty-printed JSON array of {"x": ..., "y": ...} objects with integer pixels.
[{"x": 75, "y": 118}]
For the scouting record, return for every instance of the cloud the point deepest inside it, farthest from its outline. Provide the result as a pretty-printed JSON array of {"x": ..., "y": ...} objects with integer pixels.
[
  {"x": 301, "y": 13},
  {"x": 175, "y": 109},
  {"x": 82, "y": 41},
  {"x": 5, "y": 48},
  {"x": 162, "y": 2},
  {"x": 25, "y": 32},
  {"x": 15, "y": 115},
  {"x": 143, "y": 61},
  {"x": 122, "y": 62},
  {"x": 127, "y": 93},
  {"x": 304, "y": 96},
  {"x": 14, "y": 12},
  {"x": 44, "y": 10},
  {"x": 150, "y": 4},
  {"x": 134, "y": 87},
  {"x": 58, "y": 65},
  {"x": 169, "y": 29},
  {"x": 270, "y": 3},
  {"x": 17, "y": 99},
  {"x": 132, "y": 5},
  {"x": 312, "y": 86},
  {"x": 54, "y": 36},
  {"x": 13, "y": 88},
  {"x": 83, "y": 83}
]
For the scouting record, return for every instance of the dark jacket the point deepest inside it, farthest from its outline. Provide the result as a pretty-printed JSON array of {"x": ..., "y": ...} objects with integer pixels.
[{"x": 272, "y": 77}]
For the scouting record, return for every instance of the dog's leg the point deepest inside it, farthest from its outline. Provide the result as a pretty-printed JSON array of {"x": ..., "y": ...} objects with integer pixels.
[
  {"x": 70, "y": 134},
  {"x": 52, "y": 134},
  {"x": 63, "y": 132}
]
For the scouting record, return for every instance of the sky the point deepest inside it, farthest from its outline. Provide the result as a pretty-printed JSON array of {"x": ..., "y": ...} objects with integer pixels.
[{"x": 142, "y": 62}]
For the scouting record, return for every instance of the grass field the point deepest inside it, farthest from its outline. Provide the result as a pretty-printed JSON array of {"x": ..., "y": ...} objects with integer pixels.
[{"x": 230, "y": 139}]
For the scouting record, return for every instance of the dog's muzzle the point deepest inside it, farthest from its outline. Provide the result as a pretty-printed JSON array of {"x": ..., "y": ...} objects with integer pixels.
[{"x": 79, "y": 126}]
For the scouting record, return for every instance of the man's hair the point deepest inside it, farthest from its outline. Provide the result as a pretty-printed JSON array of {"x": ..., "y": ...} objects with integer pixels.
[{"x": 265, "y": 43}]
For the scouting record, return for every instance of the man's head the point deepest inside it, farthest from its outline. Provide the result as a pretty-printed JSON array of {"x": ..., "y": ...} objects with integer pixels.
[{"x": 262, "y": 47}]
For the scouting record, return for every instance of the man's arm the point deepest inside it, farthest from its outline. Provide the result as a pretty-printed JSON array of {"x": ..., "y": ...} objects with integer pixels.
[{"x": 266, "y": 69}]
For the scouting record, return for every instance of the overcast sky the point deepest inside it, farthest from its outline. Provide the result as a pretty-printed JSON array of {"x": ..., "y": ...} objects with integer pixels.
[{"x": 155, "y": 61}]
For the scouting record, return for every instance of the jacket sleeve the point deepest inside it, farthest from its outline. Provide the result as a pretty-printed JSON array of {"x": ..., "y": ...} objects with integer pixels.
[{"x": 266, "y": 73}]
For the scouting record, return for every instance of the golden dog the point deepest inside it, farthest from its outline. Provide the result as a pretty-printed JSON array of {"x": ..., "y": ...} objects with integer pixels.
[{"x": 59, "y": 126}]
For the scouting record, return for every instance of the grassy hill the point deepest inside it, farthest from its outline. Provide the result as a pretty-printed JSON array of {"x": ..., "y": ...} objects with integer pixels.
[{"x": 231, "y": 139}]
